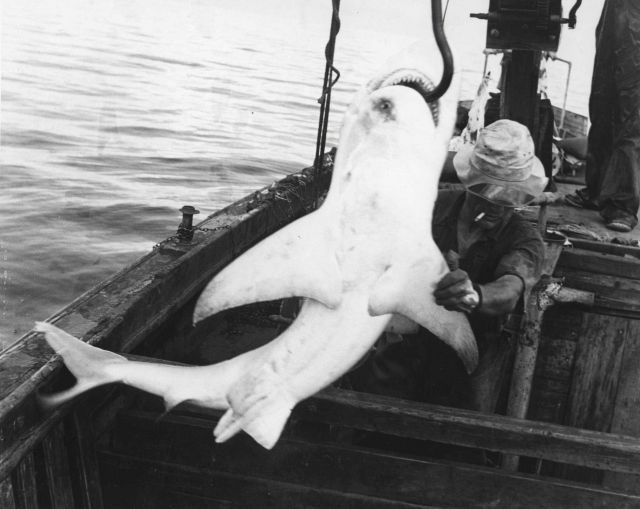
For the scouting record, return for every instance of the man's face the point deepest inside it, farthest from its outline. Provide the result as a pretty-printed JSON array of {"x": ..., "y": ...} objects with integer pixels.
[{"x": 490, "y": 215}]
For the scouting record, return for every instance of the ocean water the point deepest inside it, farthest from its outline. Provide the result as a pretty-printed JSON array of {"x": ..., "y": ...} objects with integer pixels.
[{"x": 115, "y": 113}]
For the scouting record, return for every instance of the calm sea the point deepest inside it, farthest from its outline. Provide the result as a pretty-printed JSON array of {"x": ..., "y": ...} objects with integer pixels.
[{"x": 115, "y": 113}]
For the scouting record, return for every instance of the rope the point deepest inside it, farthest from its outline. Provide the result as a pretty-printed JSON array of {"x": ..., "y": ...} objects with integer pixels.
[{"x": 329, "y": 82}]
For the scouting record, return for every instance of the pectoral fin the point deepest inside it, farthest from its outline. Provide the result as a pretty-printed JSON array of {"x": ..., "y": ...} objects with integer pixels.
[
  {"x": 407, "y": 289},
  {"x": 297, "y": 261}
]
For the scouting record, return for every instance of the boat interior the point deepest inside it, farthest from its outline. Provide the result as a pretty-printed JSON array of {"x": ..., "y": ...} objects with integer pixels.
[
  {"x": 575, "y": 373},
  {"x": 567, "y": 433}
]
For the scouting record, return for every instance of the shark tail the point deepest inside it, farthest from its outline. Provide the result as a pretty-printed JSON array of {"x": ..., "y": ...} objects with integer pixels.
[{"x": 90, "y": 365}]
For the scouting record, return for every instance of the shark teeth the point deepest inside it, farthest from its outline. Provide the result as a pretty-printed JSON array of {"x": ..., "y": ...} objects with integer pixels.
[{"x": 411, "y": 78}]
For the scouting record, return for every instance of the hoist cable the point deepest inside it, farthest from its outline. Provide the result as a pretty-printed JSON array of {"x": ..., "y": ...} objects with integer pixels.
[{"x": 329, "y": 82}]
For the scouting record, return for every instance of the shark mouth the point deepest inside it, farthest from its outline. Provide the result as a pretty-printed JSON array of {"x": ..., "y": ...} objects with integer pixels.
[{"x": 411, "y": 78}]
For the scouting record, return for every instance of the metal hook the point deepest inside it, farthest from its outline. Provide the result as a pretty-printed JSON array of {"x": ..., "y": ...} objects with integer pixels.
[
  {"x": 572, "y": 13},
  {"x": 445, "y": 52}
]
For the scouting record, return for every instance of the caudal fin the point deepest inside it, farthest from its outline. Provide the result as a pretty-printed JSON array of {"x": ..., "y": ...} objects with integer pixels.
[{"x": 90, "y": 365}]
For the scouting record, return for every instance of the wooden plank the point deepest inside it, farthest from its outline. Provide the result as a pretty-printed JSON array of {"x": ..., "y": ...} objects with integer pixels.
[
  {"x": 327, "y": 475},
  {"x": 592, "y": 396},
  {"x": 423, "y": 421},
  {"x": 626, "y": 414},
  {"x": 553, "y": 372},
  {"x": 473, "y": 429},
  {"x": 576, "y": 278},
  {"x": 25, "y": 483},
  {"x": 599, "y": 263},
  {"x": 574, "y": 123},
  {"x": 599, "y": 356},
  {"x": 6, "y": 494},
  {"x": 461, "y": 427},
  {"x": 57, "y": 471},
  {"x": 557, "y": 357},
  {"x": 606, "y": 247},
  {"x": 614, "y": 294},
  {"x": 560, "y": 330},
  {"x": 83, "y": 460},
  {"x": 161, "y": 481},
  {"x": 28, "y": 425},
  {"x": 562, "y": 323}
]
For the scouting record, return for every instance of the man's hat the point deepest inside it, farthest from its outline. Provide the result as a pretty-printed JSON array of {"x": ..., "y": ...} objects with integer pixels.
[{"x": 502, "y": 166}]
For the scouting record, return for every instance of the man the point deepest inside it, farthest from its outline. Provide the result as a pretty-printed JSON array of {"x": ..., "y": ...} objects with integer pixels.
[
  {"x": 494, "y": 256},
  {"x": 613, "y": 155}
]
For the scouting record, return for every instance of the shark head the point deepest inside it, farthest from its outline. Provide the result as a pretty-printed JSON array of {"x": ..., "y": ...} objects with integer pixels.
[
  {"x": 419, "y": 67},
  {"x": 390, "y": 125}
]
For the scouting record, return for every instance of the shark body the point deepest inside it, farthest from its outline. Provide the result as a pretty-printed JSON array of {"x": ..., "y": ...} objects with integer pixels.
[{"x": 363, "y": 259}]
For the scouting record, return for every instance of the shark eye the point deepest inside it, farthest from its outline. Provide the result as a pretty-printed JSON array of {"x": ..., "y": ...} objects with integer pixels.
[{"x": 385, "y": 105}]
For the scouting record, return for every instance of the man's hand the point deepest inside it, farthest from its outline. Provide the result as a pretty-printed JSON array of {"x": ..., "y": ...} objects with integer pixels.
[{"x": 455, "y": 290}]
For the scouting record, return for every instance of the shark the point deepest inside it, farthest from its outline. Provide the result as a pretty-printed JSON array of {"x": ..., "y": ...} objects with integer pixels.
[{"x": 364, "y": 262}]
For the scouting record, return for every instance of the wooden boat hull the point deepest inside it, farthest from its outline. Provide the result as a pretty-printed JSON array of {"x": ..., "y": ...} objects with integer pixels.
[{"x": 115, "y": 447}]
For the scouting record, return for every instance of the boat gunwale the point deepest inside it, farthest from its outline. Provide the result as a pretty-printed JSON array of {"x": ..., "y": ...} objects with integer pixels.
[{"x": 20, "y": 415}]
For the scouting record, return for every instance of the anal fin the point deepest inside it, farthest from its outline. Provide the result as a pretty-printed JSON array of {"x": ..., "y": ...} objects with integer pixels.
[{"x": 259, "y": 405}]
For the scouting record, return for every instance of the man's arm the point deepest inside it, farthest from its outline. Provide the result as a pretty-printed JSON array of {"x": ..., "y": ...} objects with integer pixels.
[
  {"x": 455, "y": 291},
  {"x": 500, "y": 296}
]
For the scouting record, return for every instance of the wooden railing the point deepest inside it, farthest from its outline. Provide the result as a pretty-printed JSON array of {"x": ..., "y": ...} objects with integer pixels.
[{"x": 314, "y": 466}]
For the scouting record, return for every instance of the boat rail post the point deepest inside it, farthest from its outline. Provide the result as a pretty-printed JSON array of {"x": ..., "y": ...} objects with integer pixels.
[
  {"x": 185, "y": 228},
  {"x": 548, "y": 292}
]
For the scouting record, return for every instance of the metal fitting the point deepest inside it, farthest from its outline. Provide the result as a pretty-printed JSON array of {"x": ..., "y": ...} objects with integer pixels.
[{"x": 185, "y": 228}]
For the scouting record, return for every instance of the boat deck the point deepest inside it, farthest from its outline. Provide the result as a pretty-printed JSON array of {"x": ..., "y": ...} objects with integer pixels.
[{"x": 586, "y": 224}]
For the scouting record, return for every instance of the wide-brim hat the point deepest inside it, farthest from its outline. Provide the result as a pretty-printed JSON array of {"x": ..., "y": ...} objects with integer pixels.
[{"x": 502, "y": 166}]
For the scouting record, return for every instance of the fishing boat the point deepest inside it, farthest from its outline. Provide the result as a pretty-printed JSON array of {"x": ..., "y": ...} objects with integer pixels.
[{"x": 568, "y": 436}]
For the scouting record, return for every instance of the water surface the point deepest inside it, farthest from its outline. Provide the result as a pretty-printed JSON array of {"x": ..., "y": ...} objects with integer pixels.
[{"x": 115, "y": 113}]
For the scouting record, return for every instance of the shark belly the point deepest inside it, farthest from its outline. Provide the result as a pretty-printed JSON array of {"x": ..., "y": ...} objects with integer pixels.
[{"x": 317, "y": 349}]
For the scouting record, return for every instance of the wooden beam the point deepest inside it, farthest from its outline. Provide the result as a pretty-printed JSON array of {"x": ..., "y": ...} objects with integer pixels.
[
  {"x": 615, "y": 295},
  {"x": 56, "y": 466},
  {"x": 7, "y": 501},
  {"x": 626, "y": 413},
  {"x": 26, "y": 484},
  {"x": 165, "y": 481},
  {"x": 243, "y": 473},
  {"x": 473, "y": 429},
  {"x": 83, "y": 460},
  {"x": 600, "y": 263},
  {"x": 441, "y": 424},
  {"x": 599, "y": 356}
]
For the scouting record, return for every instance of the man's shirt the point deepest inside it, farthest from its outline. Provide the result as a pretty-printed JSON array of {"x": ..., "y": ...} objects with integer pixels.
[{"x": 515, "y": 248}]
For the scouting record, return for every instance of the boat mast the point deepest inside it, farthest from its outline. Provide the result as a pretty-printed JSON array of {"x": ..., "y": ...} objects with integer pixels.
[{"x": 524, "y": 28}]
